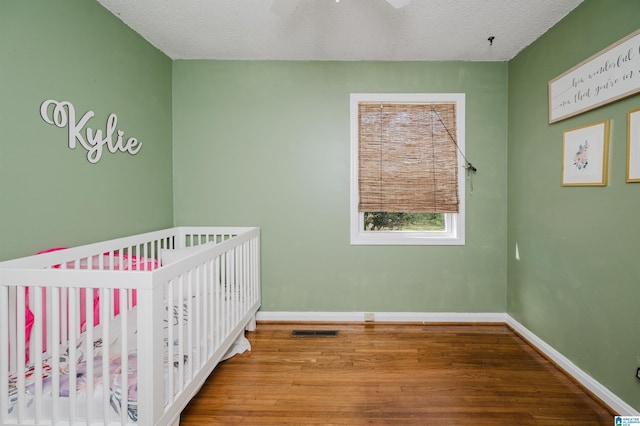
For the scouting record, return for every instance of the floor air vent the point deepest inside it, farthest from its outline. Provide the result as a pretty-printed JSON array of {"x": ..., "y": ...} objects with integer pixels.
[{"x": 314, "y": 333}]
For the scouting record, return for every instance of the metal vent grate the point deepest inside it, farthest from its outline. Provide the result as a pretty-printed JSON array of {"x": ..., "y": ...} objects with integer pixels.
[{"x": 314, "y": 333}]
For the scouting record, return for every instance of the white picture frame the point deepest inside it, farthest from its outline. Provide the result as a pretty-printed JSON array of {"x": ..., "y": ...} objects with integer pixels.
[{"x": 605, "y": 77}]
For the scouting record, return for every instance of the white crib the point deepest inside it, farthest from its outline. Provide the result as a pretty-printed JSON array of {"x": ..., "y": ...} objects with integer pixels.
[{"x": 123, "y": 331}]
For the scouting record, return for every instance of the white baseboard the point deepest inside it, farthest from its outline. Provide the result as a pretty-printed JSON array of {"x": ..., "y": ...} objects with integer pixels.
[
  {"x": 595, "y": 387},
  {"x": 425, "y": 317}
]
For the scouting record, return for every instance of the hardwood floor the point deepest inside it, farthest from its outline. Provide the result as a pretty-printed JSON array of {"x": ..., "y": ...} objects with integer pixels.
[{"x": 391, "y": 374}]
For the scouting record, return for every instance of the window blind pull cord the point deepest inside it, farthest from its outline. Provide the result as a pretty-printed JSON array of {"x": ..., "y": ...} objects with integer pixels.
[{"x": 470, "y": 168}]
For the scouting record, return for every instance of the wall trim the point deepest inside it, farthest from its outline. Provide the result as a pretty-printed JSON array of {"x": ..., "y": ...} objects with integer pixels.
[
  {"x": 382, "y": 316},
  {"x": 595, "y": 387}
]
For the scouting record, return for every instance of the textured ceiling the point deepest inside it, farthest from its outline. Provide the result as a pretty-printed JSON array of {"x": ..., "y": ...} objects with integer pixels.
[{"x": 424, "y": 30}]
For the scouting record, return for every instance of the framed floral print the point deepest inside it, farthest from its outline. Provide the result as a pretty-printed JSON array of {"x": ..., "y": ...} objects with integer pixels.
[
  {"x": 585, "y": 153},
  {"x": 633, "y": 145}
]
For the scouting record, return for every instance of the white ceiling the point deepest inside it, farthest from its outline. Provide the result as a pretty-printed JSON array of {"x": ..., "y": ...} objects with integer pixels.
[{"x": 424, "y": 30}]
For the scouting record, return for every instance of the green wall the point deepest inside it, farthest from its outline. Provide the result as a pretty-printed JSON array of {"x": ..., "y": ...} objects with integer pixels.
[
  {"x": 50, "y": 195},
  {"x": 267, "y": 144},
  {"x": 576, "y": 284}
]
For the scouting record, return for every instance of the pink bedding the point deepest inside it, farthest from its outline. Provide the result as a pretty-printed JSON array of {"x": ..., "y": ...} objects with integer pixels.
[{"x": 133, "y": 263}]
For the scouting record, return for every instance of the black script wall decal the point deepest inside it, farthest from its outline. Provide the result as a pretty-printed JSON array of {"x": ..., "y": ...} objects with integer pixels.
[{"x": 62, "y": 114}]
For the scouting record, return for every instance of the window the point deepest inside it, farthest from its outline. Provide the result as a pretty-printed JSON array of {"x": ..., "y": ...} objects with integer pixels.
[{"x": 407, "y": 169}]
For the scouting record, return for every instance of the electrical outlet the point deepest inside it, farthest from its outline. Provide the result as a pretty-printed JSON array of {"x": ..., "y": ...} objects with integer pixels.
[
  {"x": 638, "y": 373},
  {"x": 369, "y": 317}
]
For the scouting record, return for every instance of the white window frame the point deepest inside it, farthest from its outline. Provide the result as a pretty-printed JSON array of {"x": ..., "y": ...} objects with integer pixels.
[{"x": 454, "y": 232}]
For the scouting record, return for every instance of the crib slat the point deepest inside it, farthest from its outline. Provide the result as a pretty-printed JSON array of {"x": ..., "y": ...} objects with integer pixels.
[
  {"x": 247, "y": 273},
  {"x": 105, "y": 307},
  {"x": 223, "y": 296},
  {"x": 206, "y": 311},
  {"x": 111, "y": 261},
  {"x": 190, "y": 316},
  {"x": 236, "y": 284},
  {"x": 170, "y": 304},
  {"x": 211, "y": 309},
  {"x": 194, "y": 362},
  {"x": 73, "y": 356},
  {"x": 119, "y": 259},
  {"x": 156, "y": 250},
  {"x": 219, "y": 274},
  {"x": 36, "y": 345},
  {"x": 230, "y": 306},
  {"x": 56, "y": 323},
  {"x": 4, "y": 354},
  {"x": 237, "y": 252},
  {"x": 256, "y": 269},
  {"x": 124, "y": 358},
  {"x": 231, "y": 289},
  {"x": 89, "y": 350},
  {"x": 204, "y": 337},
  {"x": 64, "y": 305},
  {"x": 203, "y": 315},
  {"x": 144, "y": 257},
  {"x": 180, "y": 333},
  {"x": 241, "y": 281},
  {"x": 20, "y": 345},
  {"x": 46, "y": 321},
  {"x": 246, "y": 291},
  {"x": 130, "y": 252}
]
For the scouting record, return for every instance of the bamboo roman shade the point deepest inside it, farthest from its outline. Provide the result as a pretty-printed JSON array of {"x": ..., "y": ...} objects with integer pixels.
[{"x": 407, "y": 158}]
